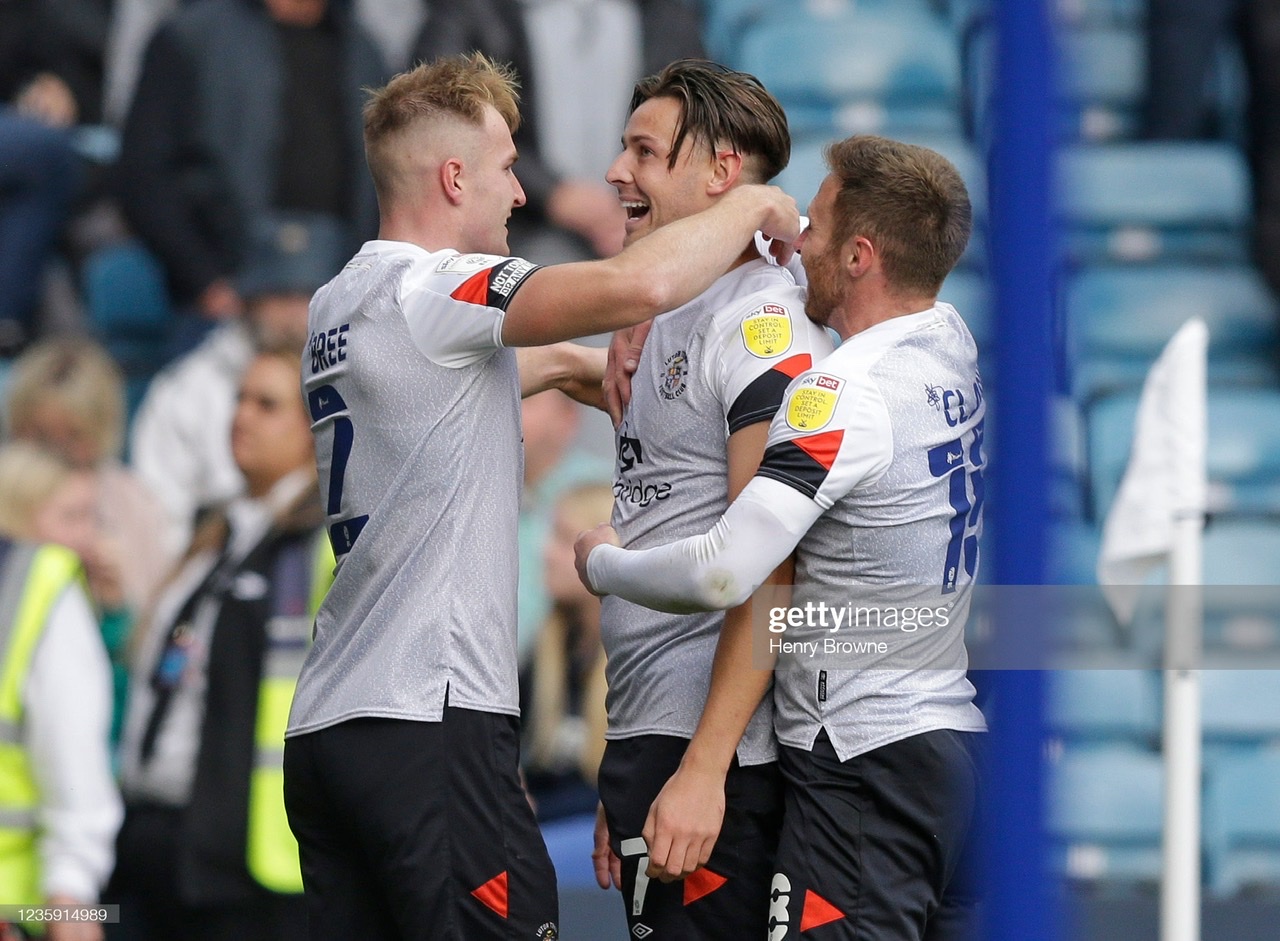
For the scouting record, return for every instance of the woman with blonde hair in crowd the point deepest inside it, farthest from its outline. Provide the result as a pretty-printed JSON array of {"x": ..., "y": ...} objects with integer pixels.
[
  {"x": 43, "y": 498},
  {"x": 563, "y": 687},
  {"x": 59, "y": 808},
  {"x": 67, "y": 395}
]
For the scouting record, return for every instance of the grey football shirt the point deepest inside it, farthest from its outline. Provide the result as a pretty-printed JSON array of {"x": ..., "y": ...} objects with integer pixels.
[
  {"x": 709, "y": 368},
  {"x": 886, "y": 434},
  {"x": 415, "y": 408}
]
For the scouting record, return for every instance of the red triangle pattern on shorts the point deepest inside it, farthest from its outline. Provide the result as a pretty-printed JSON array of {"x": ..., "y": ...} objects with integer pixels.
[
  {"x": 494, "y": 893},
  {"x": 701, "y": 882},
  {"x": 817, "y": 911}
]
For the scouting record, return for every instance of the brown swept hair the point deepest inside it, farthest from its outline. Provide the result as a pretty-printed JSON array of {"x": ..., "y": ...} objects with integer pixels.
[
  {"x": 909, "y": 201},
  {"x": 721, "y": 106}
]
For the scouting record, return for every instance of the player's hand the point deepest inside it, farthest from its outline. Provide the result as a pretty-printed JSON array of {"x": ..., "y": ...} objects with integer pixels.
[
  {"x": 607, "y": 864},
  {"x": 683, "y": 824},
  {"x": 604, "y": 533},
  {"x": 779, "y": 217},
  {"x": 624, "y": 359}
]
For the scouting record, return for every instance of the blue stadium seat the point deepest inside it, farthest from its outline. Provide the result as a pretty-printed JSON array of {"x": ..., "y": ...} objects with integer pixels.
[
  {"x": 1242, "y": 822},
  {"x": 884, "y": 67},
  {"x": 1105, "y": 704},
  {"x": 1117, "y": 319},
  {"x": 969, "y": 293},
  {"x": 1102, "y": 80},
  {"x": 1240, "y": 706},
  {"x": 128, "y": 310},
  {"x": 1243, "y": 452},
  {"x": 1128, "y": 13},
  {"x": 1106, "y": 814},
  {"x": 1153, "y": 201}
]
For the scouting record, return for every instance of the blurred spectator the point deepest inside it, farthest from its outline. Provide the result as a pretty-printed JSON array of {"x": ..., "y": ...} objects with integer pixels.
[
  {"x": 577, "y": 62},
  {"x": 45, "y": 88},
  {"x": 51, "y": 58},
  {"x": 394, "y": 26},
  {"x": 563, "y": 689},
  {"x": 180, "y": 434},
  {"x": 247, "y": 115},
  {"x": 59, "y": 809},
  {"x": 67, "y": 394},
  {"x": 1186, "y": 40},
  {"x": 550, "y": 422},
  {"x": 45, "y": 499},
  {"x": 205, "y": 851}
]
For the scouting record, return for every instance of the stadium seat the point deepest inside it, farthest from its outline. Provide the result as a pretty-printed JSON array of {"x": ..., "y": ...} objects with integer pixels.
[
  {"x": 1102, "y": 83},
  {"x": 968, "y": 292},
  {"x": 1105, "y": 704},
  {"x": 1155, "y": 201},
  {"x": 1106, "y": 814},
  {"x": 128, "y": 310},
  {"x": 1242, "y": 822},
  {"x": 1117, "y": 319},
  {"x": 1127, "y": 13},
  {"x": 1243, "y": 452},
  {"x": 1241, "y": 706},
  {"x": 884, "y": 67}
]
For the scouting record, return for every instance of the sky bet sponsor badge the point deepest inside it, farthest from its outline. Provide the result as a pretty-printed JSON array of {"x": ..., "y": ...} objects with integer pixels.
[
  {"x": 767, "y": 331},
  {"x": 813, "y": 402}
]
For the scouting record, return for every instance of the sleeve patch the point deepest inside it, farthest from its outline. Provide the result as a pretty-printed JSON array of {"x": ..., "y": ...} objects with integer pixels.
[
  {"x": 813, "y": 402},
  {"x": 495, "y": 286},
  {"x": 792, "y": 465},
  {"x": 766, "y": 332},
  {"x": 760, "y": 400}
]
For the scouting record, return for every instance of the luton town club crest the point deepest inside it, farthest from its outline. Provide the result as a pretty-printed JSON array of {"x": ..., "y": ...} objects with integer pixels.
[{"x": 671, "y": 380}]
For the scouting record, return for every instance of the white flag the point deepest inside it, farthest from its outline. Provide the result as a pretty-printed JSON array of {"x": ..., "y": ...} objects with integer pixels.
[{"x": 1165, "y": 478}]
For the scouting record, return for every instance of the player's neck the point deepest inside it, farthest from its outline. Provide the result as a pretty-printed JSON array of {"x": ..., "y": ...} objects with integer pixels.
[{"x": 861, "y": 311}]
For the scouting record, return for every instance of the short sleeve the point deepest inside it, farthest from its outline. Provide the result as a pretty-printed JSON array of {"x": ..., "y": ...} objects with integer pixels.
[
  {"x": 761, "y": 351},
  {"x": 454, "y": 305},
  {"x": 831, "y": 436}
]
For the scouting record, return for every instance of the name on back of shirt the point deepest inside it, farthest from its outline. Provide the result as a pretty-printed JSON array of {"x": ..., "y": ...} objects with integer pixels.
[{"x": 328, "y": 347}]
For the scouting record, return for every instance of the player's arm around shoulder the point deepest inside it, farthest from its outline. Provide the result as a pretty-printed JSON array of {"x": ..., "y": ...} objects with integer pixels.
[{"x": 655, "y": 274}]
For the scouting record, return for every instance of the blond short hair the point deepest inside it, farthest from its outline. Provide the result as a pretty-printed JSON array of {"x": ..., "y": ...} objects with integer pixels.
[{"x": 457, "y": 86}]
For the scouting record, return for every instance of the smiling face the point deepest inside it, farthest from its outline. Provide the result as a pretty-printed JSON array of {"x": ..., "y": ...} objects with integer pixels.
[
  {"x": 270, "y": 434},
  {"x": 653, "y": 193}
]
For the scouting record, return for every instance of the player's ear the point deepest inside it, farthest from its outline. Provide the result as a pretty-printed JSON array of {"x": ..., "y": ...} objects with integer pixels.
[
  {"x": 451, "y": 173},
  {"x": 858, "y": 255},
  {"x": 726, "y": 170}
]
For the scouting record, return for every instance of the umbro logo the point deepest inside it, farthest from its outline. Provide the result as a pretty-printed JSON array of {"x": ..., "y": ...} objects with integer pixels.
[{"x": 641, "y": 930}]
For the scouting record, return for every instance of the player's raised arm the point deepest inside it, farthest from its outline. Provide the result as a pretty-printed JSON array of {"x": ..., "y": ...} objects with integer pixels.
[{"x": 655, "y": 274}]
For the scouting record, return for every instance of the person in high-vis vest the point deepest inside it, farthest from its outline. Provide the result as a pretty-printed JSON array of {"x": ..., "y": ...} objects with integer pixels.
[
  {"x": 205, "y": 851},
  {"x": 59, "y": 809}
]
